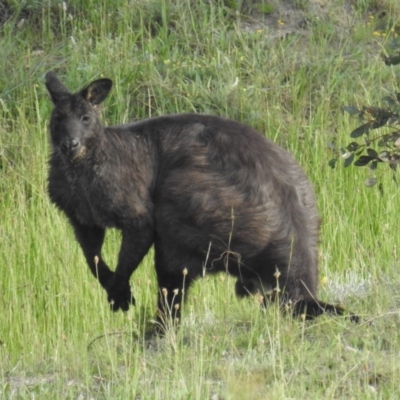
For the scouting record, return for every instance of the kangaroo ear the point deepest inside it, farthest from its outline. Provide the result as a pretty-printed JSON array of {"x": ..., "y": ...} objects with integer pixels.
[
  {"x": 56, "y": 89},
  {"x": 97, "y": 91}
]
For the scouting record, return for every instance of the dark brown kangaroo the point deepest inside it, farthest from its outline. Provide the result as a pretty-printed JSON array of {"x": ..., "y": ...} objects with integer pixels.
[{"x": 211, "y": 194}]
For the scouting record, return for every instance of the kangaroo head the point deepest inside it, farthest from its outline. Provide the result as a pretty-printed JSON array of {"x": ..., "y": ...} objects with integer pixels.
[{"x": 74, "y": 122}]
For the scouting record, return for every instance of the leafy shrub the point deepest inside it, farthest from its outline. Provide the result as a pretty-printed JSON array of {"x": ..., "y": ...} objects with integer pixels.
[{"x": 369, "y": 148}]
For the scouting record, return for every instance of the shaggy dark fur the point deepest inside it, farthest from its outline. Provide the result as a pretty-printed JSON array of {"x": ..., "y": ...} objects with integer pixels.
[{"x": 211, "y": 195}]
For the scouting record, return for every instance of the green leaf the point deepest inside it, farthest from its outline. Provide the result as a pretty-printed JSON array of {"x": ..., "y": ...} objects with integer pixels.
[
  {"x": 348, "y": 160},
  {"x": 352, "y": 110},
  {"x": 393, "y": 60},
  {"x": 372, "y": 153},
  {"x": 359, "y": 152},
  {"x": 374, "y": 165},
  {"x": 393, "y": 164},
  {"x": 360, "y": 130},
  {"x": 384, "y": 156},
  {"x": 353, "y": 146},
  {"x": 363, "y": 161},
  {"x": 382, "y": 143},
  {"x": 392, "y": 137}
]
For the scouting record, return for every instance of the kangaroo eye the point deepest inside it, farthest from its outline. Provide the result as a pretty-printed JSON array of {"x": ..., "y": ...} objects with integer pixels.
[{"x": 85, "y": 119}]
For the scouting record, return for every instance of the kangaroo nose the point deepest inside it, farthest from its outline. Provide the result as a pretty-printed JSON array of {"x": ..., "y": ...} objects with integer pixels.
[
  {"x": 74, "y": 144},
  {"x": 68, "y": 146}
]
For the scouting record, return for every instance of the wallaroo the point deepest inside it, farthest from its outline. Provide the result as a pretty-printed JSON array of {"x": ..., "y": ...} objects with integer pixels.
[{"x": 209, "y": 193}]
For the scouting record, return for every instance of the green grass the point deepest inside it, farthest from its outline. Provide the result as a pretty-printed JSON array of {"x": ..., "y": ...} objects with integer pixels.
[{"x": 58, "y": 338}]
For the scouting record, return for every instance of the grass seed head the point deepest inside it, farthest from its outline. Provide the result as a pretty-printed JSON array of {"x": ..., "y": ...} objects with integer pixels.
[
  {"x": 324, "y": 281},
  {"x": 258, "y": 298}
]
